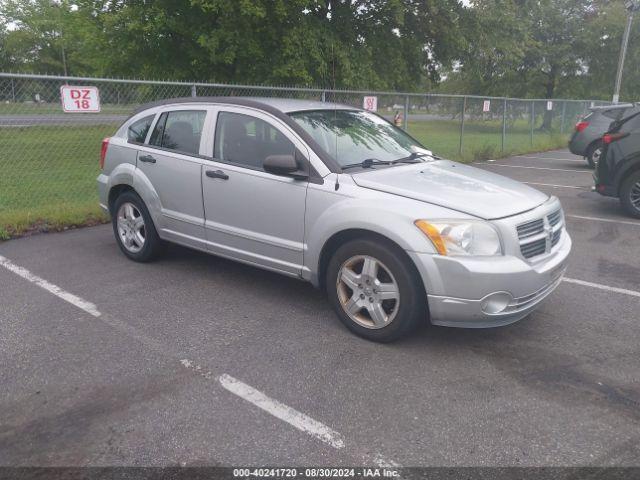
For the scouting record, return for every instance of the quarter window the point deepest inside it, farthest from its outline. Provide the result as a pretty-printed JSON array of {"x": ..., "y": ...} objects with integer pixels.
[
  {"x": 179, "y": 130},
  {"x": 137, "y": 131},
  {"x": 247, "y": 141}
]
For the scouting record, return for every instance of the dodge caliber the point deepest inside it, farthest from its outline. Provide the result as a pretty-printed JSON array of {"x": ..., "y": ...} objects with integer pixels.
[{"x": 339, "y": 197}]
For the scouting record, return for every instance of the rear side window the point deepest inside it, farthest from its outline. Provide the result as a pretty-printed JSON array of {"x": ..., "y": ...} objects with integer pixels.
[
  {"x": 247, "y": 141},
  {"x": 179, "y": 130},
  {"x": 137, "y": 131},
  {"x": 615, "y": 114}
]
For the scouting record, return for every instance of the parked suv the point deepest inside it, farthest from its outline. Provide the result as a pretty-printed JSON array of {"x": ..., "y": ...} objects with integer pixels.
[
  {"x": 341, "y": 198},
  {"x": 618, "y": 172},
  {"x": 587, "y": 137}
]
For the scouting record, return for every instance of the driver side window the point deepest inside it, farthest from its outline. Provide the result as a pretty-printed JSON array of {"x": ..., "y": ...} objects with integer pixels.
[{"x": 245, "y": 140}]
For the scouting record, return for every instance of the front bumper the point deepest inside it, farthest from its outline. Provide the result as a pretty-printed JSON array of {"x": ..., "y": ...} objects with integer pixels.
[{"x": 459, "y": 288}]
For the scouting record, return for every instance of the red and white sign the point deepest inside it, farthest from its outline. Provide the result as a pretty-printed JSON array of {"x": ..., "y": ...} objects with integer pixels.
[
  {"x": 370, "y": 103},
  {"x": 79, "y": 99},
  {"x": 549, "y": 105},
  {"x": 486, "y": 106}
]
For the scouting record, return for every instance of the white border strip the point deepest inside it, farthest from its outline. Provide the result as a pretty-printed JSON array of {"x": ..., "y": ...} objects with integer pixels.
[
  {"x": 283, "y": 412},
  {"x": 549, "y": 158},
  {"x": 599, "y": 286},
  {"x": 557, "y": 186},
  {"x": 533, "y": 168},
  {"x": 608, "y": 220},
  {"x": 88, "y": 307}
]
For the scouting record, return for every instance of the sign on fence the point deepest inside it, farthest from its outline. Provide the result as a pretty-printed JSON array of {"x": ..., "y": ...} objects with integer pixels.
[
  {"x": 370, "y": 103},
  {"x": 79, "y": 99},
  {"x": 486, "y": 105},
  {"x": 549, "y": 105}
]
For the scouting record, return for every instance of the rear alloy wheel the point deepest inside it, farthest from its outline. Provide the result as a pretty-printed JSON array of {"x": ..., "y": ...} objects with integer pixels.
[
  {"x": 131, "y": 228},
  {"x": 376, "y": 290},
  {"x": 134, "y": 230},
  {"x": 630, "y": 194},
  {"x": 594, "y": 154}
]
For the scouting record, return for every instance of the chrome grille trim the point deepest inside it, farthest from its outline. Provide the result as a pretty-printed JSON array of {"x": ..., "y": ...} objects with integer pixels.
[
  {"x": 537, "y": 237},
  {"x": 530, "y": 229}
]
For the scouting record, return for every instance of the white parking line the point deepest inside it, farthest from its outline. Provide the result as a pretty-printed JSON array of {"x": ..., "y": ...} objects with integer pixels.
[
  {"x": 283, "y": 412},
  {"x": 533, "y": 168},
  {"x": 549, "y": 158},
  {"x": 88, "y": 307},
  {"x": 609, "y": 220},
  {"x": 557, "y": 186},
  {"x": 599, "y": 286}
]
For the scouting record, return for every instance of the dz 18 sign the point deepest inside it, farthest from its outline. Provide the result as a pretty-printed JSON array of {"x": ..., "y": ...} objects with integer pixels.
[{"x": 79, "y": 99}]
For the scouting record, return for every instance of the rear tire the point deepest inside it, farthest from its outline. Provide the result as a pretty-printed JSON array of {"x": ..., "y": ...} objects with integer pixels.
[
  {"x": 594, "y": 153},
  {"x": 375, "y": 290},
  {"x": 630, "y": 194},
  {"x": 134, "y": 229}
]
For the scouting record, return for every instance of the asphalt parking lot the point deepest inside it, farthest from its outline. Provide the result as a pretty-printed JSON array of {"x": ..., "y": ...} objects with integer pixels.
[{"x": 196, "y": 360}]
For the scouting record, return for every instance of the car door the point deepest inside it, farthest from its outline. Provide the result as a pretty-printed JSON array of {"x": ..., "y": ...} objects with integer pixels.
[
  {"x": 171, "y": 164},
  {"x": 252, "y": 215}
]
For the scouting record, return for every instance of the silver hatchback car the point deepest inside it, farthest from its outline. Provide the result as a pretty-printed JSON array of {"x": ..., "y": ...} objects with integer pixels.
[{"x": 341, "y": 198}]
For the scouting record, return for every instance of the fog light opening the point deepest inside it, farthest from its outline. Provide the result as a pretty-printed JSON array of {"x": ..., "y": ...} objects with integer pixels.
[{"x": 496, "y": 302}]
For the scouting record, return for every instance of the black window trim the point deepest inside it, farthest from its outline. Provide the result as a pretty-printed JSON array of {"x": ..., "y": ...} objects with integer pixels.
[
  {"x": 148, "y": 135},
  {"x": 223, "y": 102},
  {"x": 314, "y": 176},
  {"x": 173, "y": 150}
]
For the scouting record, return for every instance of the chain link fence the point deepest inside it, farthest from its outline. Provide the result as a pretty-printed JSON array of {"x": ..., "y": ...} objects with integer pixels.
[{"x": 49, "y": 159}]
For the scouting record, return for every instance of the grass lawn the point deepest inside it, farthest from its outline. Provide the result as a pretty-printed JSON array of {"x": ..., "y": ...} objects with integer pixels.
[
  {"x": 48, "y": 173},
  {"x": 482, "y": 140},
  {"x": 48, "y": 177},
  {"x": 56, "y": 108}
]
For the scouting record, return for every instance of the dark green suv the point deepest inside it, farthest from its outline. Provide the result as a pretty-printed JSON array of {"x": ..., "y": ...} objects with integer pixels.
[{"x": 618, "y": 171}]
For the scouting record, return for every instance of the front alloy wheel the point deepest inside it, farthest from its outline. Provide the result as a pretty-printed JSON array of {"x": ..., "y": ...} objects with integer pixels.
[
  {"x": 368, "y": 292},
  {"x": 375, "y": 289}
]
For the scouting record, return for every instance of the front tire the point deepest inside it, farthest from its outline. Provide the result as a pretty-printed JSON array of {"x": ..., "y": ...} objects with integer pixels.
[
  {"x": 134, "y": 229},
  {"x": 375, "y": 290},
  {"x": 630, "y": 194}
]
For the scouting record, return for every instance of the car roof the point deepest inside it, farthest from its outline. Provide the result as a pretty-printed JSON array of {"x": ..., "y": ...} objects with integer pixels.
[
  {"x": 284, "y": 105},
  {"x": 615, "y": 106}
]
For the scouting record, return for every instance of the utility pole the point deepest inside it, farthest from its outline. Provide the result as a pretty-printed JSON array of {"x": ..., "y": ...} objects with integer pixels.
[{"x": 632, "y": 6}]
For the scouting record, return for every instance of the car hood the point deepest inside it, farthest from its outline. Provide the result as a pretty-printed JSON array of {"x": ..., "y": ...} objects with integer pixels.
[{"x": 454, "y": 185}]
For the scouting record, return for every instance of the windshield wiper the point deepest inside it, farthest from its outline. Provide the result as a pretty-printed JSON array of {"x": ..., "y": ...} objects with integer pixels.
[
  {"x": 413, "y": 158},
  {"x": 367, "y": 163}
]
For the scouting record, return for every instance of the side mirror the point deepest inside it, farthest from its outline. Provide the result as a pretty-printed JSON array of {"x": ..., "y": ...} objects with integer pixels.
[{"x": 283, "y": 165}]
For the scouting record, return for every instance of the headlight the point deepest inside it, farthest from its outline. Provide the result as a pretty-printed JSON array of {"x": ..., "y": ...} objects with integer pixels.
[{"x": 453, "y": 237}]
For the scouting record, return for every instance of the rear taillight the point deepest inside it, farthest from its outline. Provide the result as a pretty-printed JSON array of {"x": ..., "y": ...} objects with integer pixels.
[
  {"x": 580, "y": 126},
  {"x": 612, "y": 137},
  {"x": 103, "y": 151}
]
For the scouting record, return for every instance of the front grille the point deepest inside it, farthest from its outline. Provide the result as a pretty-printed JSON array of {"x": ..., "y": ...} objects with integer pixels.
[
  {"x": 532, "y": 249},
  {"x": 530, "y": 229},
  {"x": 555, "y": 218},
  {"x": 541, "y": 235}
]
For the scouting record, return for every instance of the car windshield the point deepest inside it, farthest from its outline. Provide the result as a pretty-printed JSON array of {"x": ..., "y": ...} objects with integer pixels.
[{"x": 352, "y": 136}]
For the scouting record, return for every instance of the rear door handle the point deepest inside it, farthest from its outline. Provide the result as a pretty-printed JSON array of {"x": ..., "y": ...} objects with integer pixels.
[
  {"x": 217, "y": 174},
  {"x": 147, "y": 159}
]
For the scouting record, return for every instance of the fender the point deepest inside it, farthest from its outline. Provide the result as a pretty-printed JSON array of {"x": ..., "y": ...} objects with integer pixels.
[
  {"x": 392, "y": 218},
  {"x": 623, "y": 168},
  {"x": 143, "y": 187}
]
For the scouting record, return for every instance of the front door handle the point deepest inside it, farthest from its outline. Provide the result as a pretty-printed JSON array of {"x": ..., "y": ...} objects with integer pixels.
[
  {"x": 217, "y": 174},
  {"x": 147, "y": 159}
]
